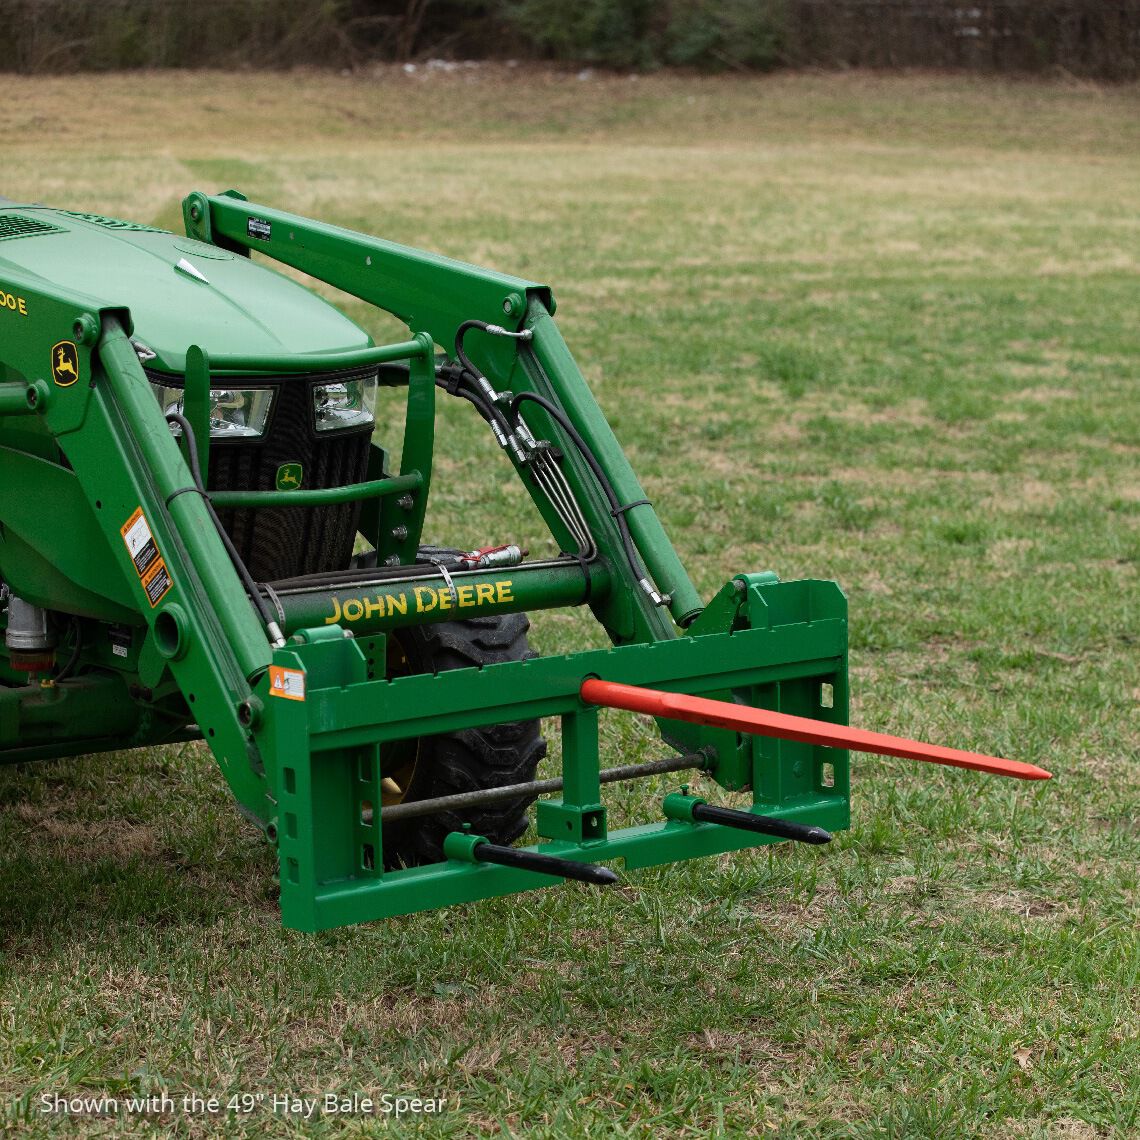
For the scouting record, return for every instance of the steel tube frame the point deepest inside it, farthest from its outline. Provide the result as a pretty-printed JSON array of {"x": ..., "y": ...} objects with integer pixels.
[
  {"x": 369, "y": 607},
  {"x": 320, "y": 362},
  {"x": 15, "y": 400},
  {"x": 321, "y": 496}
]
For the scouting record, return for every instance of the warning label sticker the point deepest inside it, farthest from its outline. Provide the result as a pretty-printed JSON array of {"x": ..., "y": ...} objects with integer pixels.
[
  {"x": 143, "y": 550},
  {"x": 140, "y": 542},
  {"x": 157, "y": 582},
  {"x": 287, "y": 683}
]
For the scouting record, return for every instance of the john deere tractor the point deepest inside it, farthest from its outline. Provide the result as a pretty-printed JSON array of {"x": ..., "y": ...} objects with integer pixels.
[{"x": 203, "y": 536}]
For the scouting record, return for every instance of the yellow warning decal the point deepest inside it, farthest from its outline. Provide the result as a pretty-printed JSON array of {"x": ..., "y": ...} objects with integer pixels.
[
  {"x": 287, "y": 683},
  {"x": 148, "y": 563},
  {"x": 157, "y": 583}
]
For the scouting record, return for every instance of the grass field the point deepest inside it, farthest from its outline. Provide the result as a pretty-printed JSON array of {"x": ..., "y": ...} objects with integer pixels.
[{"x": 879, "y": 329}]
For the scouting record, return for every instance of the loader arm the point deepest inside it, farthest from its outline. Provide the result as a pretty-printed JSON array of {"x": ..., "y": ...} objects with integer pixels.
[
  {"x": 159, "y": 419},
  {"x": 436, "y": 295}
]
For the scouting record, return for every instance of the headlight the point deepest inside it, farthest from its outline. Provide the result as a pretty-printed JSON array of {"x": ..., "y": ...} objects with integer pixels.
[
  {"x": 344, "y": 404},
  {"x": 235, "y": 413}
]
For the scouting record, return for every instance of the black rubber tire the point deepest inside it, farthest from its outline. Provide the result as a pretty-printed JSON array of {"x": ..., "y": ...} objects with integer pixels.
[{"x": 470, "y": 759}]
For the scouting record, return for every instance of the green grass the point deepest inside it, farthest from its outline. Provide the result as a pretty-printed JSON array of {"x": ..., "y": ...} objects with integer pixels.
[{"x": 881, "y": 329}]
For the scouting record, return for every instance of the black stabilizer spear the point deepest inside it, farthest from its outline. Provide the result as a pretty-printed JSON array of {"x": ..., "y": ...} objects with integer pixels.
[
  {"x": 468, "y": 848},
  {"x": 544, "y": 864},
  {"x": 764, "y": 824},
  {"x": 691, "y": 809}
]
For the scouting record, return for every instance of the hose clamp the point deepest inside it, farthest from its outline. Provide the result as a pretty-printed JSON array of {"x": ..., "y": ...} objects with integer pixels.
[{"x": 438, "y": 564}]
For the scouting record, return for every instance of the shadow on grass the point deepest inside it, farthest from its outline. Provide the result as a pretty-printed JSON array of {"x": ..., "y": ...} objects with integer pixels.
[{"x": 145, "y": 839}]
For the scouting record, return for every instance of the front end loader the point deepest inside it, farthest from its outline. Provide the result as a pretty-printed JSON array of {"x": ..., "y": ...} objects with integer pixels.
[{"x": 203, "y": 536}]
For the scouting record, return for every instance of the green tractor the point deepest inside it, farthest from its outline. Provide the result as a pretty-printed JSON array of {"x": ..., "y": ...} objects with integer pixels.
[{"x": 202, "y": 536}]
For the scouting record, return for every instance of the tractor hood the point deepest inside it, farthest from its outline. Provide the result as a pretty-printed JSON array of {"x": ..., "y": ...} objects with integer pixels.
[{"x": 180, "y": 292}]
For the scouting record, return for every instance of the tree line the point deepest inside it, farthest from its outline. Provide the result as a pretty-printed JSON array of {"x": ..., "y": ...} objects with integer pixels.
[{"x": 1093, "y": 38}]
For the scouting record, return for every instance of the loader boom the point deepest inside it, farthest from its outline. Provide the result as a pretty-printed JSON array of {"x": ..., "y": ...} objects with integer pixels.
[{"x": 287, "y": 675}]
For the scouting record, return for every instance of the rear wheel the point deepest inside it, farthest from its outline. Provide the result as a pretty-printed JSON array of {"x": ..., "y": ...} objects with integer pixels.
[{"x": 463, "y": 761}]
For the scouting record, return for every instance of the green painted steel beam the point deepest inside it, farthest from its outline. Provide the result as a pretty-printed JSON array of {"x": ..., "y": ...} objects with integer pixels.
[
  {"x": 323, "y": 496},
  {"x": 464, "y": 698},
  {"x": 200, "y": 627},
  {"x": 321, "y": 361},
  {"x": 17, "y": 399},
  {"x": 368, "y": 607},
  {"x": 447, "y": 884},
  {"x": 424, "y": 290}
]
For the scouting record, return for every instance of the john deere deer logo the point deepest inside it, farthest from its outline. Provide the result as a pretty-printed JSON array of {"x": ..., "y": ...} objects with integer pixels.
[
  {"x": 289, "y": 476},
  {"x": 65, "y": 363}
]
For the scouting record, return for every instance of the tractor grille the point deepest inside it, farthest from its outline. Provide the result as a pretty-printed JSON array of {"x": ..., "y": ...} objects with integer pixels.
[
  {"x": 284, "y": 543},
  {"x": 18, "y": 226}
]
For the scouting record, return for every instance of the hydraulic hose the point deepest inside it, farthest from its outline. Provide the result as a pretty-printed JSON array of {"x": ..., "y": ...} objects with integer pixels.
[
  {"x": 460, "y": 333},
  {"x": 469, "y": 382},
  {"x": 616, "y": 508}
]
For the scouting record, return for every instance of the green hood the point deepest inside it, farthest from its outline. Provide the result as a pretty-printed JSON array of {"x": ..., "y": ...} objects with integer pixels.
[{"x": 179, "y": 291}]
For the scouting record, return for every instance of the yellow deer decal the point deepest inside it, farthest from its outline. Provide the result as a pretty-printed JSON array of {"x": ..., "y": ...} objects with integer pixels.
[
  {"x": 65, "y": 364},
  {"x": 289, "y": 476}
]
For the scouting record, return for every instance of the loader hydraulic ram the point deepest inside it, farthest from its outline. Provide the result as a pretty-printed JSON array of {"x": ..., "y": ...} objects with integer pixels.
[{"x": 203, "y": 537}]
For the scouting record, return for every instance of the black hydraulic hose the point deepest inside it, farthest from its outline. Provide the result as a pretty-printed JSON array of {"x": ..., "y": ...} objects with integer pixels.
[
  {"x": 472, "y": 375},
  {"x": 461, "y": 382},
  {"x": 251, "y": 587},
  {"x": 482, "y": 406},
  {"x": 616, "y": 509},
  {"x": 460, "y": 333},
  {"x": 458, "y": 383},
  {"x": 467, "y": 384}
]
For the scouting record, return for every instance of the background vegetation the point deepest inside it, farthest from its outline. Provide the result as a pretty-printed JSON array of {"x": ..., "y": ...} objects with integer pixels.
[
  {"x": 880, "y": 329},
  {"x": 1099, "y": 38}
]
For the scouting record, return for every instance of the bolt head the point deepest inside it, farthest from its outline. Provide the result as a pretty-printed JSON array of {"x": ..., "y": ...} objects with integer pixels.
[{"x": 85, "y": 329}]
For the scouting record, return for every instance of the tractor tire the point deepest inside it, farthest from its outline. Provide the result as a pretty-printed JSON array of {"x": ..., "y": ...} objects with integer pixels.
[{"x": 467, "y": 760}]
